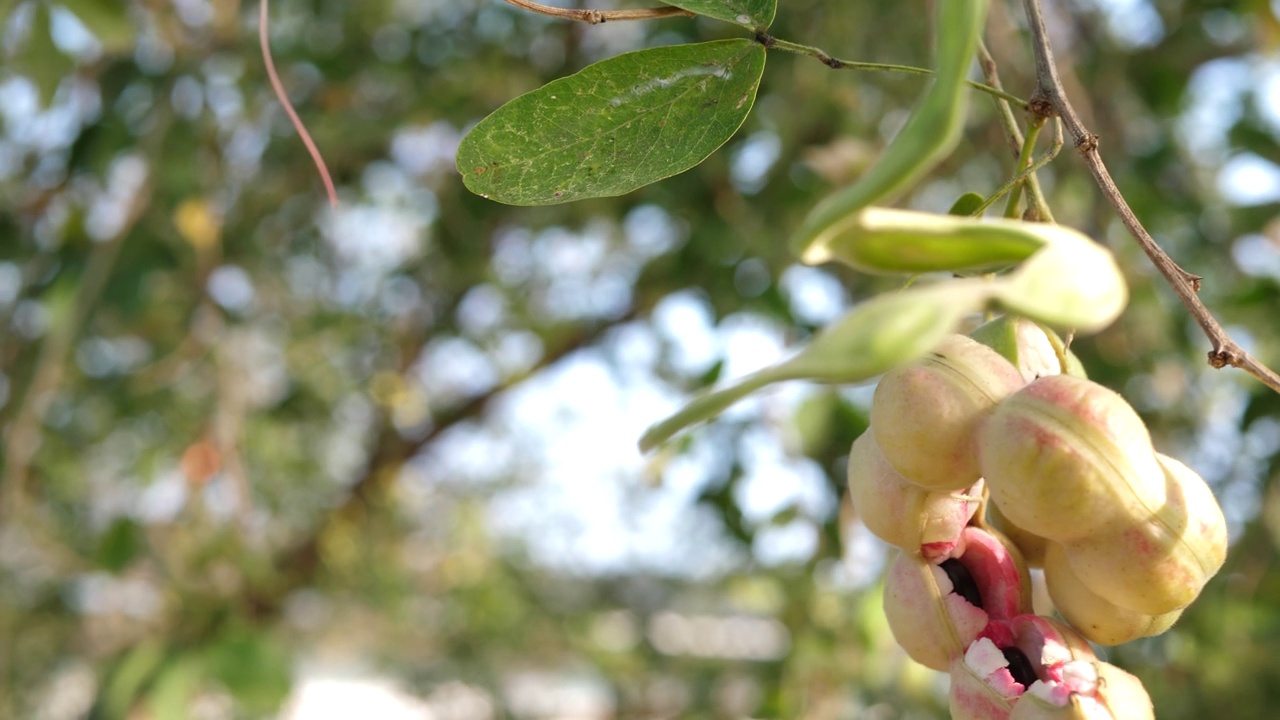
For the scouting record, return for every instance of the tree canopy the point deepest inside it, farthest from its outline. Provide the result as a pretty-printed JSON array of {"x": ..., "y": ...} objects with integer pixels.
[{"x": 249, "y": 439}]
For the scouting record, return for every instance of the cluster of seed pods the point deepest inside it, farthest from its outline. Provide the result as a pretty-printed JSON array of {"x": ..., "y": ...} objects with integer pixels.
[{"x": 979, "y": 464}]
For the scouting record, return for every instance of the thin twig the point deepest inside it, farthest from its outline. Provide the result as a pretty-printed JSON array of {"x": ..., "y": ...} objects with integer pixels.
[
  {"x": 595, "y": 17},
  {"x": 1035, "y": 196},
  {"x": 288, "y": 107},
  {"x": 1049, "y": 99},
  {"x": 837, "y": 64}
]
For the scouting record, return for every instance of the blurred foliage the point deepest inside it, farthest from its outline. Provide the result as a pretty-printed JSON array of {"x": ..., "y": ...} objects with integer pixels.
[{"x": 234, "y": 420}]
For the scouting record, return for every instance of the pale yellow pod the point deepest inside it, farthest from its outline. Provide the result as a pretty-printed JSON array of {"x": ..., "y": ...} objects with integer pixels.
[
  {"x": 1094, "y": 617},
  {"x": 1068, "y": 459},
  {"x": 1031, "y": 546},
  {"x": 900, "y": 513},
  {"x": 1160, "y": 564},
  {"x": 926, "y": 414}
]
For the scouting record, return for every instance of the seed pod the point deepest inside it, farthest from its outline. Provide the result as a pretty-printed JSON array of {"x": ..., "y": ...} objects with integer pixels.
[
  {"x": 933, "y": 622},
  {"x": 988, "y": 681},
  {"x": 1160, "y": 564},
  {"x": 1090, "y": 691},
  {"x": 1047, "y": 287},
  {"x": 1157, "y": 565},
  {"x": 1031, "y": 546},
  {"x": 925, "y": 414},
  {"x": 1071, "y": 459},
  {"x": 902, "y": 514},
  {"x": 1033, "y": 350},
  {"x": 1102, "y": 622}
]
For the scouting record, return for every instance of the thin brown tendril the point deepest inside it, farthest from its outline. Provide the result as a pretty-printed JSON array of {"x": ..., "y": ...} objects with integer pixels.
[
  {"x": 595, "y": 17},
  {"x": 288, "y": 108}
]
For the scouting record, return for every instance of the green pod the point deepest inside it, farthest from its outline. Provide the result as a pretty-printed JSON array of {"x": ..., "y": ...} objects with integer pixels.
[
  {"x": 1035, "y": 350},
  {"x": 870, "y": 339},
  {"x": 1031, "y": 546},
  {"x": 1072, "y": 283},
  {"x": 881, "y": 240},
  {"x": 930, "y": 134}
]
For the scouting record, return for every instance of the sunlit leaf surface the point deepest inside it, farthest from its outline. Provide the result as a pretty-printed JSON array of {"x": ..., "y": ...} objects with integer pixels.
[{"x": 617, "y": 125}]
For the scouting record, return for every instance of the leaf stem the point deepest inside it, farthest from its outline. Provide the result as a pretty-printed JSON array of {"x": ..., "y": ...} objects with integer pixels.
[
  {"x": 838, "y": 64},
  {"x": 1049, "y": 99},
  {"x": 595, "y": 17}
]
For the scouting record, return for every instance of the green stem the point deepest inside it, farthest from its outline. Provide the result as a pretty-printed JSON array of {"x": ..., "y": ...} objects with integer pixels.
[
  {"x": 837, "y": 64},
  {"x": 1027, "y": 173},
  {"x": 991, "y": 74},
  {"x": 1024, "y": 161},
  {"x": 707, "y": 406}
]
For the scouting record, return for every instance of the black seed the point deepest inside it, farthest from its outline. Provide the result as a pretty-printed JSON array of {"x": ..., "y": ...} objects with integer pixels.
[
  {"x": 1019, "y": 666},
  {"x": 962, "y": 583}
]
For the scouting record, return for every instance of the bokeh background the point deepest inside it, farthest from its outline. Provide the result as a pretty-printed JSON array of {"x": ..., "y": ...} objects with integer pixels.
[{"x": 263, "y": 458}]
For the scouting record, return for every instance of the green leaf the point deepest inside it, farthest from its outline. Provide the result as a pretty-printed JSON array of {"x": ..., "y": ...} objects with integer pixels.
[
  {"x": 886, "y": 331},
  {"x": 932, "y": 131},
  {"x": 755, "y": 14},
  {"x": 615, "y": 126},
  {"x": 967, "y": 204}
]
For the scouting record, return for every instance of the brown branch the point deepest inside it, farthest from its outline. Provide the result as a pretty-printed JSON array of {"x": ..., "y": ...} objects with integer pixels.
[
  {"x": 595, "y": 17},
  {"x": 1050, "y": 99}
]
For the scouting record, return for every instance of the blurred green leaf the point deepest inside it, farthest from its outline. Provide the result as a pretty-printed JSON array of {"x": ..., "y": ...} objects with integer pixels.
[
  {"x": 615, "y": 126},
  {"x": 39, "y": 58},
  {"x": 108, "y": 21},
  {"x": 119, "y": 545},
  {"x": 755, "y": 14},
  {"x": 254, "y": 667},
  {"x": 174, "y": 688},
  {"x": 133, "y": 673}
]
